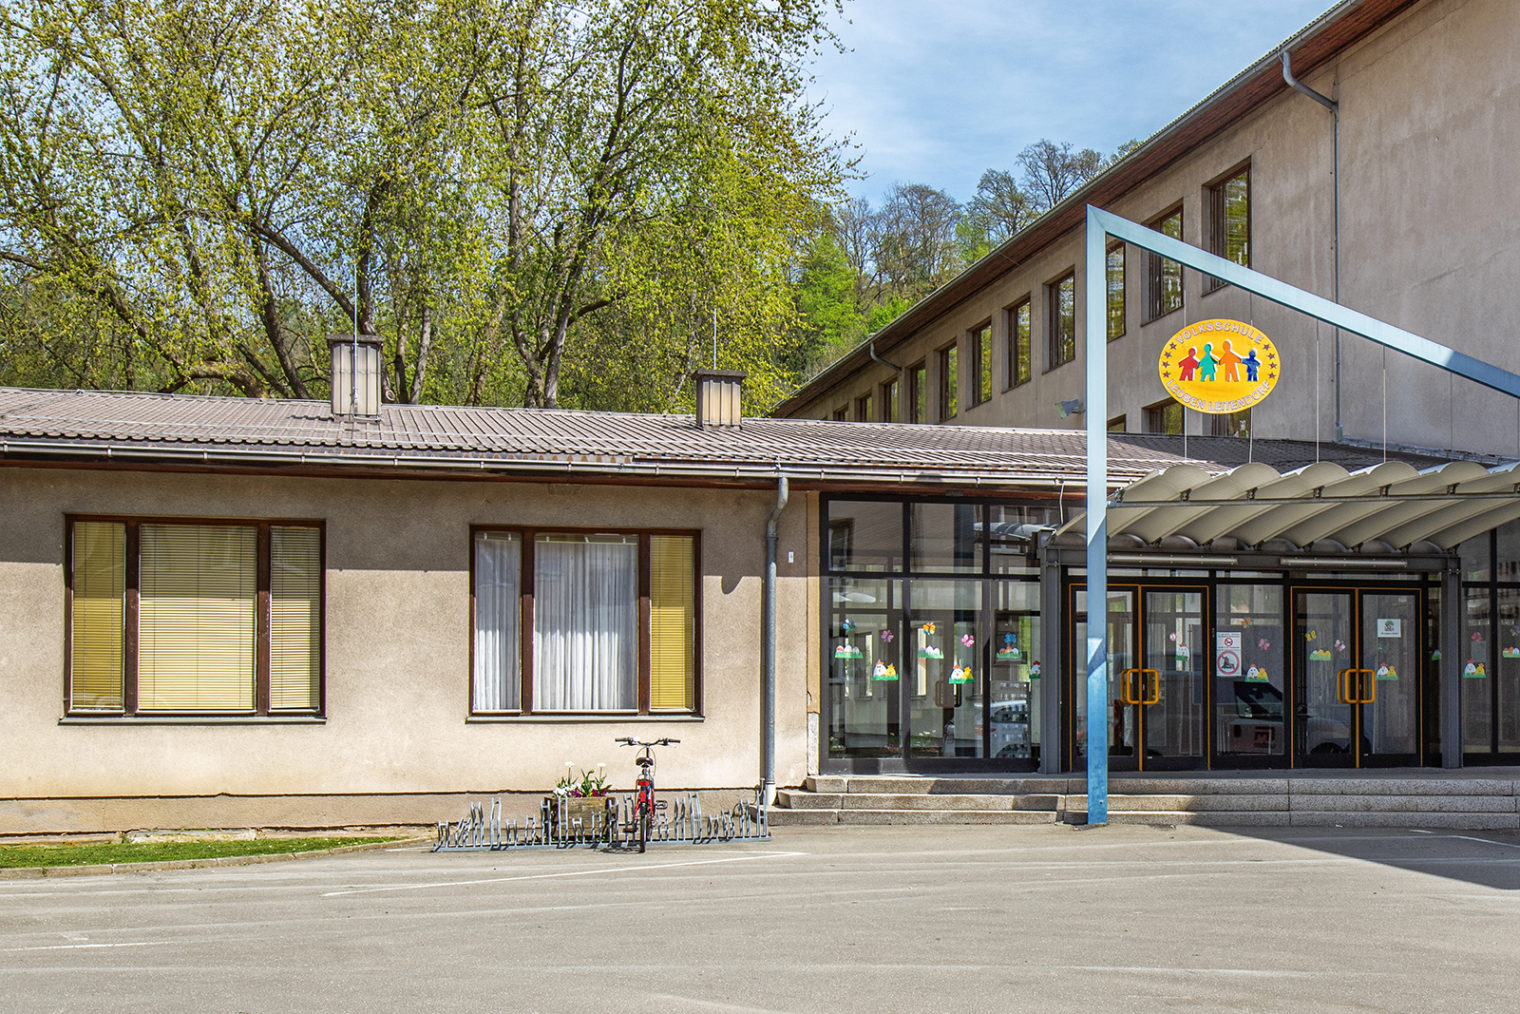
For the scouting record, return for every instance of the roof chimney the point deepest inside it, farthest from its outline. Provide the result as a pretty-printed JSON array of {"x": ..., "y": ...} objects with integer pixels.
[
  {"x": 355, "y": 391},
  {"x": 718, "y": 402}
]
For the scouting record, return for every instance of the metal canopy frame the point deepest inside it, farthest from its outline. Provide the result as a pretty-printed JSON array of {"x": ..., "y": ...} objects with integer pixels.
[{"x": 1100, "y": 226}]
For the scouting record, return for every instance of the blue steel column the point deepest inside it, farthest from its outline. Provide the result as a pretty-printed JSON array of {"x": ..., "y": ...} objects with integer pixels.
[{"x": 1096, "y": 351}]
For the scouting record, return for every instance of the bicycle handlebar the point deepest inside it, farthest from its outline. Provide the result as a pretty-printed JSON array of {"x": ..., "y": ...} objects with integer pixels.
[{"x": 662, "y": 741}]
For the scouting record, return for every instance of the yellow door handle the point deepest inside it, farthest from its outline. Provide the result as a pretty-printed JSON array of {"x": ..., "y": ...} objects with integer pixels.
[
  {"x": 1151, "y": 678},
  {"x": 1350, "y": 694},
  {"x": 1127, "y": 686}
]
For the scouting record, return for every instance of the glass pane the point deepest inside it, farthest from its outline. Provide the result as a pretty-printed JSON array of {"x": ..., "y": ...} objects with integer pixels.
[
  {"x": 1019, "y": 341},
  {"x": 1477, "y": 692},
  {"x": 1507, "y": 538},
  {"x": 1064, "y": 321},
  {"x": 295, "y": 617},
  {"x": 196, "y": 618},
  {"x": 946, "y": 537},
  {"x": 1391, "y": 649},
  {"x": 865, "y": 668},
  {"x": 1115, "y": 294},
  {"x": 672, "y": 623},
  {"x": 1173, "y": 696},
  {"x": 1236, "y": 196},
  {"x": 865, "y": 535},
  {"x": 1476, "y": 558},
  {"x": 1322, "y": 650},
  {"x": 96, "y": 623},
  {"x": 1013, "y": 533},
  {"x": 945, "y": 686},
  {"x": 1123, "y": 726},
  {"x": 1509, "y": 670},
  {"x": 1250, "y": 716},
  {"x": 1014, "y": 683},
  {"x": 984, "y": 364},
  {"x": 585, "y": 623},
  {"x": 949, "y": 382},
  {"x": 498, "y": 659}
]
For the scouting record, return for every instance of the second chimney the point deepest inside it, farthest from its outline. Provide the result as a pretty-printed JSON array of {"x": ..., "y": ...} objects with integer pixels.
[
  {"x": 718, "y": 398},
  {"x": 355, "y": 391}
]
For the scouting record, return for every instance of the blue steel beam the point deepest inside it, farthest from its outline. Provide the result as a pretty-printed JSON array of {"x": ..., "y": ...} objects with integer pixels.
[{"x": 1100, "y": 226}]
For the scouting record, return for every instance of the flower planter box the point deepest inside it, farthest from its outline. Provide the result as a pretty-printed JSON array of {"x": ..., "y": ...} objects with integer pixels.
[{"x": 592, "y": 811}]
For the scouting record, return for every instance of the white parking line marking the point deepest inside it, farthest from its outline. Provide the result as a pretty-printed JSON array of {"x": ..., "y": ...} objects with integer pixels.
[
  {"x": 555, "y": 876},
  {"x": 86, "y": 947}
]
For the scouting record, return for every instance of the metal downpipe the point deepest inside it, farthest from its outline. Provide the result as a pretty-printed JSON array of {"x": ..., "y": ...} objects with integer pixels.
[{"x": 768, "y": 651}]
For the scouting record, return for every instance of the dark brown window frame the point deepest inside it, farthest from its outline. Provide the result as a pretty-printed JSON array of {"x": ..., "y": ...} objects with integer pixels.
[
  {"x": 131, "y": 591},
  {"x": 948, "y": 360},
  {"x": 1156, "y": 410},
  {"x": 1053, "y": 337},
  {"x": 979, "y": 340},
  {"x": 842, "y": 413},
  {"x": 1123, "y": 252},
  {"x": 1011, "y": 343},
  {"x": 525, "y": 620},
  {"x": 1218, "y": 221},
  {"x": 1155, "y": 271},
  {"x": 918, "y": 392},
  {"x": 863, "y": 408},
  {"x": 889, "y": 404}
]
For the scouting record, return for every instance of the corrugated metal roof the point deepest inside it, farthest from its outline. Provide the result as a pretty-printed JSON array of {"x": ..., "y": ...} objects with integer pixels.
[{"x": 255, "y": 432}]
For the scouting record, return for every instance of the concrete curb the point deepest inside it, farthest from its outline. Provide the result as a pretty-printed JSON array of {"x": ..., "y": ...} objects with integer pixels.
[{"x": 109, "y": 869}]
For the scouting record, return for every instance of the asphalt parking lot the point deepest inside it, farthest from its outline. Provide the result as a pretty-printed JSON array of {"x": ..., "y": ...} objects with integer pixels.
[{"x": 1045, "y": 918}]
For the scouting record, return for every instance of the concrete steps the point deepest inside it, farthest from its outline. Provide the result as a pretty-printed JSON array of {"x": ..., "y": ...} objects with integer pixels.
[{"x": 1417, "y": 798}]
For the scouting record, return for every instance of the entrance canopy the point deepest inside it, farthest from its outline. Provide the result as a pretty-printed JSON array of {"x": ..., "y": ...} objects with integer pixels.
[{"x": 1386, "y": 507}]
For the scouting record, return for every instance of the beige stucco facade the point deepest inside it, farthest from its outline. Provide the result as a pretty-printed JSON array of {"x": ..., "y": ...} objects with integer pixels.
[
  {"x": 396, "y": 743},
  {"x": 1429, "y": 241}
]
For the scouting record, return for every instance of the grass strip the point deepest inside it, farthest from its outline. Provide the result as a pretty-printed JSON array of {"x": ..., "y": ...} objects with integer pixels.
[{"x": 98, "y": 853}]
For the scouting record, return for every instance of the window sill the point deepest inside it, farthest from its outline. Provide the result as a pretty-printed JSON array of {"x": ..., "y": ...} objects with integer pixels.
[
  {"x": 193, "y": 720},
  {"x": 596, "y": 718}
]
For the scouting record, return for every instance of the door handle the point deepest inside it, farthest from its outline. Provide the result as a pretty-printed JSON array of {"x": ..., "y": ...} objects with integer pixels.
[
  {"x": 1127, "y": 686},
  {"x": 1152, "y": 679},
  {"x": 1350, "y": 694},
  {"x": 1368, "y": 688}
]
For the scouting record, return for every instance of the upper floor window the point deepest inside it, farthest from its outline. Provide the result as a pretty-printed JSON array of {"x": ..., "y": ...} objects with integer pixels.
[
  {"x": 1061, "y": 296},
  {"x": 1117, "y": 424},
  {"x": 1114, "y": 279},
  {"x": 1019, "y": 329},
  {"x": 584, "y": 621},
  {"x": 949, "y": 381},
  {"x": 863, "y": 408},
  {"x": 1163, "y": 277},
  {"x": 1229, "y": 203},
  {"x": 981, "y": 363},
  {"x": 842, "y": 413},
  {"x": 918, "y": 393},
  {"x": 1231, "y": 424},
  {"x": 1164, "y": 417},
  {"x": 889, "y": 401},
  {"x": 194, "y": 617}
]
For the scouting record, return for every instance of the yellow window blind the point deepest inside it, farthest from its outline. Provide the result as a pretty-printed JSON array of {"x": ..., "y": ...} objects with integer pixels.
[
  {"x": 672, "y": 623},
  {"x": 196, "y": 618},
  {"x": 295, "y": 617},
  {"x": 97, "y": 621}
]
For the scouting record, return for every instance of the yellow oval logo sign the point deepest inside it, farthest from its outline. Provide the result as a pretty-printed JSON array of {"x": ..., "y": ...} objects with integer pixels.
[{"x": 1219, "y": 366}]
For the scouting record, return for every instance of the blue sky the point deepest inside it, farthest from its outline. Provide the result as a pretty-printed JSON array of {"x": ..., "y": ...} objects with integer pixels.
[{"x": 938, "y": 92}]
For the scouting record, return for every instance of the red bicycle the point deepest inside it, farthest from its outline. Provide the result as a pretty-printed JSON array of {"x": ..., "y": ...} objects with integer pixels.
[{"x": 644, "y": 805}]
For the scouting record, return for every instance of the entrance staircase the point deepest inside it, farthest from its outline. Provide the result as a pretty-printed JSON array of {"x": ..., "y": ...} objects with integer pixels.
[{"x": 1427, "y": 798}]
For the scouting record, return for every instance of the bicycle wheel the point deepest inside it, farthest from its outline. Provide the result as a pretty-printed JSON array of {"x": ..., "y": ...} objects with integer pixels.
[{"x": 643, "y": 821}]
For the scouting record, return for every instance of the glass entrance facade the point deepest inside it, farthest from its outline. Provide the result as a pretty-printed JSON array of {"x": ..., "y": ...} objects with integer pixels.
[
  {"x": 944, "y": 650},
  {"x": 932, "y": 637}
]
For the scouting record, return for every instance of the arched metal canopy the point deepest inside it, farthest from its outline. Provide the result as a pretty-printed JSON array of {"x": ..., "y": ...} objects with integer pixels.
[{"x": 1390, "y": 505}]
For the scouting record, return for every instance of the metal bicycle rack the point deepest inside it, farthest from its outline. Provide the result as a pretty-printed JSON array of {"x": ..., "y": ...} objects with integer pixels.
[{"x": 680, "y": 821}]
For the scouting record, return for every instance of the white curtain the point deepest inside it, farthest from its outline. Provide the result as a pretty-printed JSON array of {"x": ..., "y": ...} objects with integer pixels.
[
  {"x": 498, "y": 686},
  {"x": 585, "y": 623}
]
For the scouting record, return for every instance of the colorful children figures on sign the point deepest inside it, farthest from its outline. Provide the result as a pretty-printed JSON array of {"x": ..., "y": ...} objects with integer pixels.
[{"x": 1219, "y": 366}]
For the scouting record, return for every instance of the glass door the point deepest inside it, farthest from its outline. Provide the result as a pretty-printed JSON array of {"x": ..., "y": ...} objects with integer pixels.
[
  {"x": 1122, "y": 703},
  {"x": 1170, "y": 684},
  {"x": 944, "y": 681},
  {"x": 1357, "y": 655}
]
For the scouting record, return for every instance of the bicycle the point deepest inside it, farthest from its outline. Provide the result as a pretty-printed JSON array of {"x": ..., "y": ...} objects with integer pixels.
[{"x": 644, "y": 805}]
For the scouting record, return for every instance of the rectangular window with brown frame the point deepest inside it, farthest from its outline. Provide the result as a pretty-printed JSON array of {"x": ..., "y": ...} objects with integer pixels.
[
  {"x": 981, "y": 363},
  {"x": 863, "y": 408},
  {"x": 842, "y": 413},
  {"x": 889, "y": 401},
  {"x": 584, "y": 622},
  {"x": 1061, "y": 329},
  {"x": 1117, "y": 424},
  {"x": 1020, "y": 333},
  {"x": 1229, "y": 203},
  {"x": 172, "y": 616},
  {"x": 1114, "y": 278},
  {"x": 1164, "y": 417},
  {"x": 1163, "y": 277},
  {"x": 949, "y": 381},
  {"x": 918, "y": 393},
  {"x": 1231, "y": 424}
]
